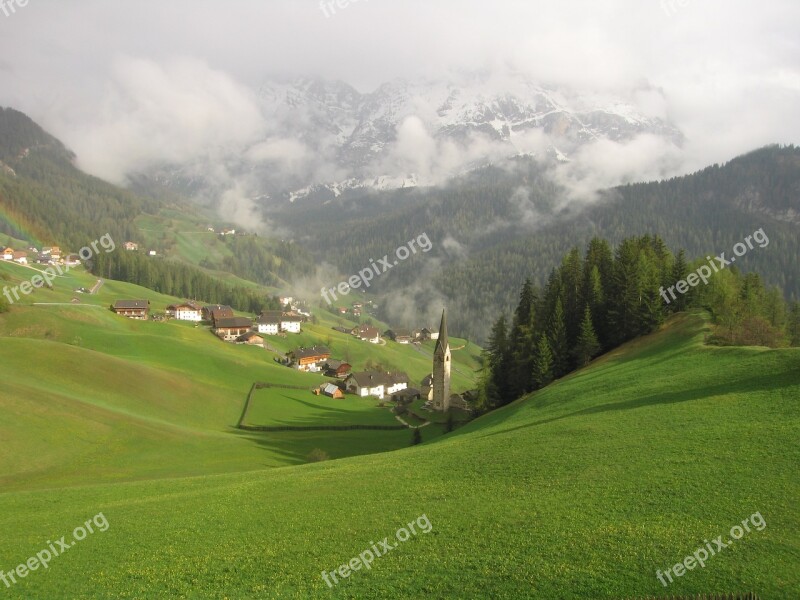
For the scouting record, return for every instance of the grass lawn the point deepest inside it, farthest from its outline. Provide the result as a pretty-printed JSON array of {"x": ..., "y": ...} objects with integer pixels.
[
  {"x": 582, "y": 490},
  {"x": 299, "y": 408}
]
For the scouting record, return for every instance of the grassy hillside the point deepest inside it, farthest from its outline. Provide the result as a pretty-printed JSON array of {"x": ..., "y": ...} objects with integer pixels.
[
  {"x": 582, "y": 490},
  {"x": 97, "y": 398}
]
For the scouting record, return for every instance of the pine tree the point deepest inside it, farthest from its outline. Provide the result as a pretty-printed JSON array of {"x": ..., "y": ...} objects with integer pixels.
[
  {"x": 557, "y": 337},
  {"x": 499, "y": 361},
  {"x": 542, "y": 363},
  {"x": 679, "y": 272},
  {"x": 587, "y": 346},
  {"x": 521, "y": 342}
]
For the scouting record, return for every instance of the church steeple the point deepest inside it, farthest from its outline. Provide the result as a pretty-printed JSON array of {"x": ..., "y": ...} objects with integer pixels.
[
  {"x": 442, "y": 342},
  {"x": 441, "y": 369}
]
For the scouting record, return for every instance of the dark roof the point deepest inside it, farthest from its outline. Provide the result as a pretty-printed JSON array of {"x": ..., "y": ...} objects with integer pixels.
[
  {"x": 248, "y": 336},
  {"x": 365, "y": 331},
  {"x": 217, "y": 308},
  {"x": 374, "y": 378},
  {"x": 233, "y": 323},
  {"x": 428, "y": 381},
  {"x": 269, "y": 318},
  {"x": 291, "y": 319},
  {"x": 190, "y": 304},
  {"x": 310, "y": 352},
  {"x": 442, "y": 342},
  {"x": 129, "y": 304}
]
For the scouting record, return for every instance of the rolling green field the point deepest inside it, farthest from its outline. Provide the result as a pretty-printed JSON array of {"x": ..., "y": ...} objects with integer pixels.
[
  {"x": 299, "y": 408},
  {"x": 582, "y": 490},
  {"x": 92, "y": 397}
]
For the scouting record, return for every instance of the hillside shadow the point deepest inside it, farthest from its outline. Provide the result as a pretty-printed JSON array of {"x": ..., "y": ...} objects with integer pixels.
[{"x": 764, "y": 383}]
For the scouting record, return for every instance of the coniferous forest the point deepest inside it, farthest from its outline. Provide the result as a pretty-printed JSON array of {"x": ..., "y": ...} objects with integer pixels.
[{"x": 595, "y": 301}]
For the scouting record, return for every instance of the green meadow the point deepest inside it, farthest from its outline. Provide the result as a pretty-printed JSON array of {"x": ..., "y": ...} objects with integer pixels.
[
  {"x": 92, "y": 397},
  {"x": 582, "y": 490}
]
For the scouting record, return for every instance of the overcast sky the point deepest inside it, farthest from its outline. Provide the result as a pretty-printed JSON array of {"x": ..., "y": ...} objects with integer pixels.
[{"x": 729, "y": 70}]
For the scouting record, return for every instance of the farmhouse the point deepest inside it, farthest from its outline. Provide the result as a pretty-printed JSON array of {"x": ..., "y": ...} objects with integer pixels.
[
  {"x": 272, "y": 322},
  {"x": 401, "y": 336},
  {"x": 367, "y": 333},
  {"x": 132, "y": 309},
  {"x": 216, "y": 311},
  {"x": 187, "y": 311},
  {"x": 251, "y": 339},
  {"x": 309, "y": 359},
  {"x": 131, "y": 246},
  {"x": 337, "y": 368},
  {"x": 291, "y": 323},
  {"x": 269, "y": 323},
  {"x": 231, "y": 328},
  {"x": 21, "y": 257},
  {"x": 8, "y": 254},
  {"x": 375, "y": 383}
]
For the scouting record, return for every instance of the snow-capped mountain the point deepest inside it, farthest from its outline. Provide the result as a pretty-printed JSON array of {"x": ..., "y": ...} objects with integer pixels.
[
  {"x": 325, "y": 138},
  {"x": 382, "y": 138}
]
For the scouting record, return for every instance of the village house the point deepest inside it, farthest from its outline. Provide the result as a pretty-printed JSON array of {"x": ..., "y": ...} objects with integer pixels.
[
  {"x": 291, "y": 323},
  {"x": 8, "y": 254},
  {"x": 367, "y": 333},
  {"x": 186, "y": 311},
  {"x": 331, "y": 390},
  {"x": 230, "y": 328},
  {"x": 269, "y": 323},
  {"x": 251, "y": 339},
  {"x": 20, "y": 257},
  {"x": 309, "y": 359},
  {"x": 337, "y": 368},
  {"x": 376, "y": 383},
  {"x": 286, "y": 300},
  {"x": 132, "y": 309},
  {"x": 401, "y": 336},
  {"x": 216, "y": 311},
  {"x": 426, "y": 334},
  {"x": 72, "y": 260},
  {"x": 131, "y": 246},
  {"x": 272, "y": 322},
  {"x": 53, "y": 253}
]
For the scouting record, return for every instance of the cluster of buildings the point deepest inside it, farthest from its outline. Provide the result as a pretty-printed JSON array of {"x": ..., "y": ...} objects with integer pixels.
[
  {"x": 224, "y": 323},
  {"x": 49, "y": 255},
  {"x": 317, "y": 359}
]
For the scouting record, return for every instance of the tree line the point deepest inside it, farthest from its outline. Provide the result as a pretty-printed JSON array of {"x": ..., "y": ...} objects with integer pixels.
[
  {"x": 595, "y": 301},
  {"x": 179, "y": 280}
]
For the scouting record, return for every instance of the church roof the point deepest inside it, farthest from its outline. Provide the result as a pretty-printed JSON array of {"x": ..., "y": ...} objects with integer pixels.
[{"x": 442, "y": 342}]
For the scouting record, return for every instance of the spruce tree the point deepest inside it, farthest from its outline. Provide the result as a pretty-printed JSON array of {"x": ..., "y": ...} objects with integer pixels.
[
  {"x": 542, "y": 363},
  {"x": 557, "y": 336},
  {"x": 587, "y": 346}
]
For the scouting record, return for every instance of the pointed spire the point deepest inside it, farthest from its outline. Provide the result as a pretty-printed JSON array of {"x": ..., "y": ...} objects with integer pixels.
[{"x": 442, "y": 342}]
